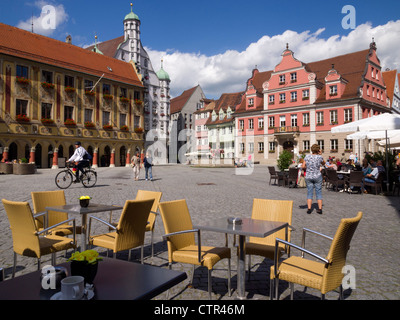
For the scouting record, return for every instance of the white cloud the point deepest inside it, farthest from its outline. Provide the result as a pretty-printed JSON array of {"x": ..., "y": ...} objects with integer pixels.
[
  {"x": 51, "y": 16},
  {"x": 227, "y": 72}
]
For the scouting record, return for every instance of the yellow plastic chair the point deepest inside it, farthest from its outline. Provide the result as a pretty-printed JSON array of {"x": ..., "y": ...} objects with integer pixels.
[
  {"x": 324, "y": 275},
  {"x": 272, "y": 210},
  {"x": 43, "y": 199},
  {"x": 28, "y": 240},
  {"x": 129, "y": 233},
  {"x": 181, "y": 241}
]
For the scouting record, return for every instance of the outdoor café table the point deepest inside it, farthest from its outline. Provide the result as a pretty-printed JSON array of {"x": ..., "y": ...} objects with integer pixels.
[
  {"x": 248, "y": 227},
  {"x": 115, "y": 280},
  {"x": 77, "y": 209}
]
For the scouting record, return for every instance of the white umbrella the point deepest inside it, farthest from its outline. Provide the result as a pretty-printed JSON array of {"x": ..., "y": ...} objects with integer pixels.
[
  {"x": 384, "y": 121},
  {"x": 377, "y": 135},
  {"x": 394, "y": 141}
]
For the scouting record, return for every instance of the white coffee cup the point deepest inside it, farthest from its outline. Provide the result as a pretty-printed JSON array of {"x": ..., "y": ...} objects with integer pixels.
[{"x": 72, "y": 288}]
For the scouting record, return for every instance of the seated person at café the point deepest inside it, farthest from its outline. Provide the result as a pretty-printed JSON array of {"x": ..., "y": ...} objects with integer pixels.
[
  {"x": 331, "y": 164},
  {"x": 366, "y": 168},
  {"x": 379, "y": 169}
]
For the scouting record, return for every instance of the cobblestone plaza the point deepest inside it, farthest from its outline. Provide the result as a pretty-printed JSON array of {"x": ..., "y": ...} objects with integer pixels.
[{"x": 224, "y": 192}]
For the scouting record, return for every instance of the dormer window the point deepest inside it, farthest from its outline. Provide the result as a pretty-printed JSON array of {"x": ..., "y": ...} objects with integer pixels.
[
  {"x": 214, "y": 116},
  {"x": 251, "y": 102},
  {"x": 333, "y": 90}
]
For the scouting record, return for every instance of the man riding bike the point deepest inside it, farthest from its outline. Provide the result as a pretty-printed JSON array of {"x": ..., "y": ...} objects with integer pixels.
[{"x": 81, "y": 158}]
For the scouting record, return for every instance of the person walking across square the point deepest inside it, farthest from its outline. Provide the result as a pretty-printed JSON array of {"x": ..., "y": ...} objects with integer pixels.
[
  {"x": 148, "y": 164},
  {"x": 136, "y": 165}
]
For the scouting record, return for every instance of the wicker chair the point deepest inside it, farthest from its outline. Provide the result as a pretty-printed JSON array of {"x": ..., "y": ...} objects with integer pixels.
[
  {"x": 145, "y": 195},
  {"x": 355, "y": 179},
  {"x": 43, "y": 199},
  {"x": 181, "y": 241},
  {"x": 292, "y": 176},
  {"x": 324, "y": 276},
  {"x": 151, "y": 222},
  {"x": 377, "y": 184},
  {"x": 273, "y": 210},
  {"x": 130, "y": 230},
  {"x": 273, "y": 174},
  {"x": 333, "y": 179},
  {"x": 28, "y": 240}
]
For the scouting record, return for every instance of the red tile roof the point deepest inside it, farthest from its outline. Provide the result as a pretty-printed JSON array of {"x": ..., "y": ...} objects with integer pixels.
[
  {"x": 389, "y": 77},
  {"x": 226, "y": 100},
  {"x": 27, "y": 45},
  {"x": 176, "y": 104},
  {"x": 109, "y": 47},
  {"x": 350, "y": 66}
]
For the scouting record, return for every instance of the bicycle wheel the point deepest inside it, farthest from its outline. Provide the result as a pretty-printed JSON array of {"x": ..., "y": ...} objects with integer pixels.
[
  {"x": 64, "y": 179},
  {"x": 89, "y": 178}
]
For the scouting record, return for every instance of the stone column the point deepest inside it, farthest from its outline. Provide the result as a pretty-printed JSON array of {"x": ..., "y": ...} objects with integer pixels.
[
  {"x": 128, "y": 158},
  {"x": 112, "y": 159},
  {"x": 32, "y": 155},
  {"x": 95, "y": 158},
  {"x": 5, "y": 154},
  {"x": 55, "y": 159}
]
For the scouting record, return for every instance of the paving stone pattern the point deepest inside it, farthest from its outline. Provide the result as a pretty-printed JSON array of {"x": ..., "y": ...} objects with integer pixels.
[{"x": 224, "y": 192}]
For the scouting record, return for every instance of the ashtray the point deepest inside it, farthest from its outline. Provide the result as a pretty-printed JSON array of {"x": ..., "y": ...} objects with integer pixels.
[{"x": 234, "y": 220}]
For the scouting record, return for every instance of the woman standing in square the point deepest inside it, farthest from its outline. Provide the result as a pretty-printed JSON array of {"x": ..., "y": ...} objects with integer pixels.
[{"x": 313, "y": 162}]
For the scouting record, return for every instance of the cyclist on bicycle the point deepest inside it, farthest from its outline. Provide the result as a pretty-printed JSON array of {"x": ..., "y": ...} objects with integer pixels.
[{"x": 80, "y": 158}]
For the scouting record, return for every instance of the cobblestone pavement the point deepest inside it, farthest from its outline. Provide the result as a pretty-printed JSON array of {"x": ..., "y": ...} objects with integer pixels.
[{"x": 218, "y": 192}]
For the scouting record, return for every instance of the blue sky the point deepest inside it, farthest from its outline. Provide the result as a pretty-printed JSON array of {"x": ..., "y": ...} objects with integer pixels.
[{"x": 221, "y": 35}]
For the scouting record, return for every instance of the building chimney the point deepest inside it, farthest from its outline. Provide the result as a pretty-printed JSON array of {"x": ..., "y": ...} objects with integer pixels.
[{"x": 68, "y": 39}]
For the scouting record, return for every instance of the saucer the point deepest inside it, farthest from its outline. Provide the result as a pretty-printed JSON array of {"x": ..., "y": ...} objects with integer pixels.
[{"x": 88, "y": 296}]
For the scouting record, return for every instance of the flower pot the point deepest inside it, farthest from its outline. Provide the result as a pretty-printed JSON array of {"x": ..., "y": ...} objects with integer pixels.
[
  {"x": 84, "y": 203},
  {"x": 23, "y": 168},
  {"x": 84, "y": 269},
  {"x": 6, "y": 168}
]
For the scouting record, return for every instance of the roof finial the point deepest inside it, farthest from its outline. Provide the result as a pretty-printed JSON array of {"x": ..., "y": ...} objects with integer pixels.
[
  {"x": 131, "y": 7},
  {"x": 373, "y": 44},
  {"x": 287, "y": 46}
]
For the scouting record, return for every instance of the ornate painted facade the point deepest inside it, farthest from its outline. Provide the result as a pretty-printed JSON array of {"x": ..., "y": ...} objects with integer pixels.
[
  {"x": 156, "y": 99},
  {"x": 54, "y": 93},
  {"x": 296, "y": 104}
]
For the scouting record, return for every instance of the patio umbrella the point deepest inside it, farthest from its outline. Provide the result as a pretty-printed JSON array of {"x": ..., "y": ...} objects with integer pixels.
[
  {"x": 377, "y": 135},
  {"x": 394, "y": 141},
  {"x": 382, "y": 122}
]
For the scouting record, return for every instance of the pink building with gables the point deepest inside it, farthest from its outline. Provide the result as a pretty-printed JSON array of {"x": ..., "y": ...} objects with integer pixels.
[{"x": 296, "y": 104}]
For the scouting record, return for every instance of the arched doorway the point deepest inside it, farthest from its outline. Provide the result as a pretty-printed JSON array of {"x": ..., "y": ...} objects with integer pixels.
[
  {"x": 105, "y": 158},
  {"x": 71, "y": 151},
  {"x": 13, "y": 152},
  {"x": 50, "y": 154},
  {"x": 38, "y": 155},
  {"x": 122, "y": 156},
  {"x": 288, "y": 146},
  {"x": 27, "y": 152},
  {"x": 90, "y": 151},
  {"x": 60, "y": 151}
]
